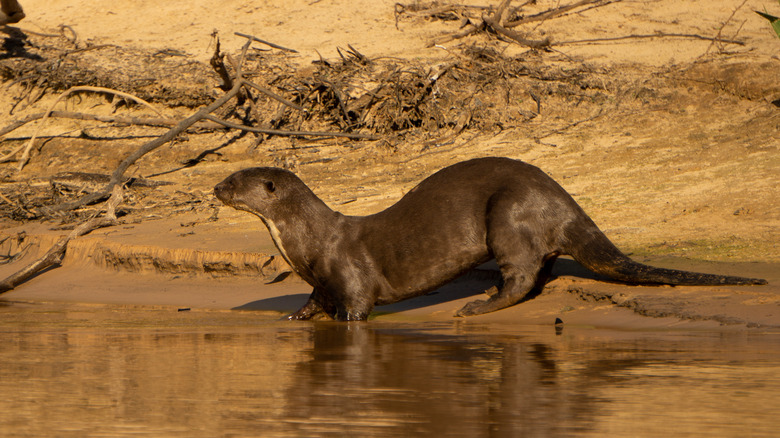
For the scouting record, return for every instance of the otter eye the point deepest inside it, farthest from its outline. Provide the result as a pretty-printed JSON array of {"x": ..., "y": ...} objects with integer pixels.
[{"x": 269, "y": 185}]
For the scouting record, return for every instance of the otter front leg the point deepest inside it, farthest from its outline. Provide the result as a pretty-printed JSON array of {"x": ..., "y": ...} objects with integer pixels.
[
  {"x": 354, "y": 307},
  {"x": 342, "y": 307},
  {"x": 351, "y": 293},
  {"x": 311, "y": 309}
]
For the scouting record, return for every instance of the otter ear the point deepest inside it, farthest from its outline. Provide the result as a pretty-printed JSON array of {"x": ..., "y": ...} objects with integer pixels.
[{"x": 269, "y": 185}]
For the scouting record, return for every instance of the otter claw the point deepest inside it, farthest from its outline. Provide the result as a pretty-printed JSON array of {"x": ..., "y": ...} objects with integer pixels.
[{"x": 471, "y": 309}]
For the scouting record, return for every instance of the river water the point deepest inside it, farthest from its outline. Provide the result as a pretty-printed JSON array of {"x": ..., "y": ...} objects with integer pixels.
[{"x": 97, "y": 371}]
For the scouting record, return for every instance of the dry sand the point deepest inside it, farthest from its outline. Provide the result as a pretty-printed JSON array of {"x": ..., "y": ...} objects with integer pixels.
[{"x": 680, "y": 168}]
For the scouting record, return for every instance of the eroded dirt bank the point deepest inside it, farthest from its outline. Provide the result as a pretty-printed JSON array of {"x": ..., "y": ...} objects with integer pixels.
[{"x": 669, "y": 143}]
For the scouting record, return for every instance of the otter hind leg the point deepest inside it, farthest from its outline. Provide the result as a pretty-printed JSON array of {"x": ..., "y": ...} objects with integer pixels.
[
  {"x": 518, "y": 282},
  {"x": 524, "y": 269}
]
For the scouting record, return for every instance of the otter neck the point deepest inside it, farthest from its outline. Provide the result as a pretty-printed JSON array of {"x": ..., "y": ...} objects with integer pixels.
[{"x": 296, "y": 231}]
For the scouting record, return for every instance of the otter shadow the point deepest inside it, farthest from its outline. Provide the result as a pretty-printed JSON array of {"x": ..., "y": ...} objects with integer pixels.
[
  {"x": 474, "y": 282},
  {"x": 284, "y": 303},
  {"x": 478, "y": 281}
]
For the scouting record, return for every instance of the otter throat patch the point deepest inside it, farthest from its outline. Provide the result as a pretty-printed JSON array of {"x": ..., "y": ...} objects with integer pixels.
[{"x": 277, "y": 238}]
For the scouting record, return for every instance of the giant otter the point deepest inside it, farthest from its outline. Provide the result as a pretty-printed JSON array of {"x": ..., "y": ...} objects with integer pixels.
[{"x": 454, "y": 220}]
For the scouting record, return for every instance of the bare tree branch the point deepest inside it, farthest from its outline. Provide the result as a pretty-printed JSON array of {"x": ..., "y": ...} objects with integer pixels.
[
  {"x": 275, "y": 46},
  {"x": 26, "y": 154},
  {"x": 274, "y": 96},
  {"x": 291, "y": 133},
  {"x": 651, "y": 35},
  {"x": 54, "y": 255},
  {"x": 514, "y": 36},
  {"x": 552, "y": 13},
  {"x": 126, "y": 120},
  {"x": 117, "y": 175}
]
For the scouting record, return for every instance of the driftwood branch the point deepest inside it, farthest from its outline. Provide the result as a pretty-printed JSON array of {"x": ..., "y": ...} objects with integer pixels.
[
  {"x": 201, "y": 122},
  {"x": 291, "y": 133},
  {"x": 26, "y": 154},
  {"x": 119, "y": 172},
  {"x": 718, "y": 38},
  {"x": 501, "y": 10},
  {"x": 123, "y": 120},
  {"x": 467, "y": 30},
  {"x": 209, "y": 122},
  {"x": 496, "y": 21},
  {"x": 54, "y": 255},
  {"x": 493, "y": 22},
  {"x": 117, "y": 175},
  {"x": 652, "y": 35},
  {"x": 552, "y": 13},
  {"x": 275, "y": 46},
  {"x": 218, "y": 65},
  {"x": 274, "y": 96}
]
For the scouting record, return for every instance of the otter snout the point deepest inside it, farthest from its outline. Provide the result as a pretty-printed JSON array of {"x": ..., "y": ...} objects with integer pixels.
[{"x": 223, "y": 192}]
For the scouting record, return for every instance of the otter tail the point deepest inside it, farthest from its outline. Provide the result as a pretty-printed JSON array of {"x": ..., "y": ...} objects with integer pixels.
[{"x": 593, "y": 250}]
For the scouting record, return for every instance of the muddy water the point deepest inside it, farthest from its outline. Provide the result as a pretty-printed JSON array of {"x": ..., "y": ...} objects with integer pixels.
[{"x": 74, "y": 370}]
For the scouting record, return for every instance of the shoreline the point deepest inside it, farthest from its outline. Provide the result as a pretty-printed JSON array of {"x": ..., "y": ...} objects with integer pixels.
[{"x": 575, "y": 295}]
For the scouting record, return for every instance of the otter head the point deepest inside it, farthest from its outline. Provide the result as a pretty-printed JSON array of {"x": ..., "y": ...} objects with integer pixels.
[
  {"x": 253, "y": 190},
  {"x": 272, "y": 194}
]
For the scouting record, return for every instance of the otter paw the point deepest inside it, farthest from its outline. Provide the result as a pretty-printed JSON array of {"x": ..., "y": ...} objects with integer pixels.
[
  {"x": 351, "y": 315},
  {"x": 301, "y": 315},
  {"x": 472, "y": 308}
]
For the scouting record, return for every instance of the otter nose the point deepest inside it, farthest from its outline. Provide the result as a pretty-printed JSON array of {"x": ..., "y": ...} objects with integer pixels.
[{"x": 222, "y": 192}]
